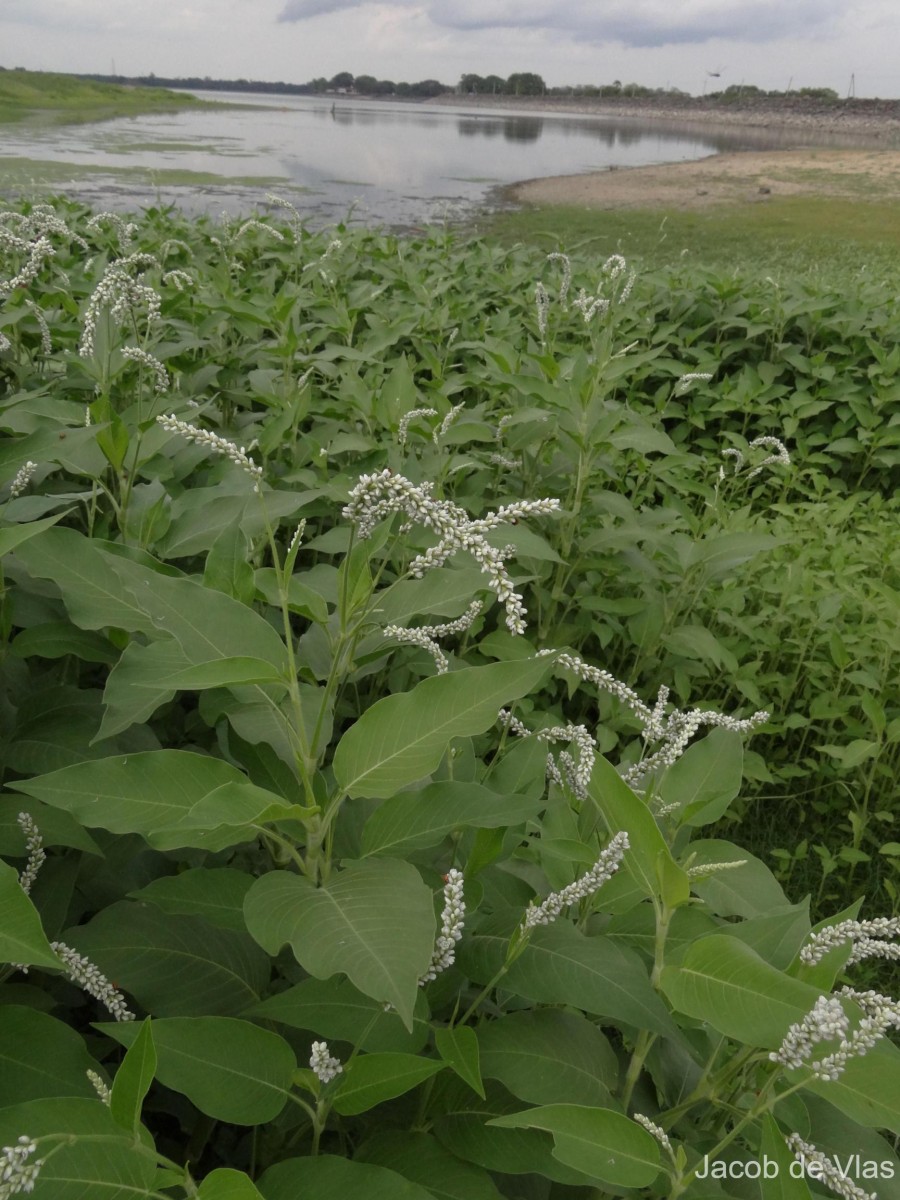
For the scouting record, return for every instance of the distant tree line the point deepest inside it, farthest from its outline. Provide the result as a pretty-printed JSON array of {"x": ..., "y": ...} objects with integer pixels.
[{"x": 520, "y": 83}]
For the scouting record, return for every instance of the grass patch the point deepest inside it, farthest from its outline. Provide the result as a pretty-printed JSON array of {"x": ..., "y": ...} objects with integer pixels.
[
  {"x": 62, "y": 99},
  {"x": 19, "y": 173},
  {"x": 796, "y": 233}
]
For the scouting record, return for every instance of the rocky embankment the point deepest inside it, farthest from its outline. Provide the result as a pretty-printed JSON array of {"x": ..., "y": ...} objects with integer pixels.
[{"x": 879, "y": 119}]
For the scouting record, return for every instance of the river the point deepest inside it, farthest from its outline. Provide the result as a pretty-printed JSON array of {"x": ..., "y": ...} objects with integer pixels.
[{"x": 373, "y": 162}]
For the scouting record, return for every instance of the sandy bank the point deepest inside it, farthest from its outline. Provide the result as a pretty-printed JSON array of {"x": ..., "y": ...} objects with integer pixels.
[{"x": 752, "y": 177}]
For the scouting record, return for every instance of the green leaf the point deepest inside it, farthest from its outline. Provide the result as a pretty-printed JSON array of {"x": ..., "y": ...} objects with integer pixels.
[
  {"x": 623, "y": 810},
  {"x": 458, "y": 1047},
  {"x": 371, "y": 1078},
  {"x": 776, "y": 937},
  {"x": 335, "y": 1009},
  {"x": 707, "y": 777},
  {"x": 214, "y": 893},
  {"x": 562, "y": 966},
  {"x": 173, "y": 965},
  {"x": 172, "y": 797},
  {"x": 597, "y": 1141},
  {"x": 12, "y": 536},
  {"x": 22, "y": 938},
  {"x": 725, "y": 983},
  {"x": 328, "y": 1178},
  {"x": 374, "y": 921},
  {"x": 772, "y": 1149},
  {"x": 227, "y": 1184},
  {"x": 133, "y": 1079},
  {"x": 460, "y": 1126},
  {"x": 91, "y": 1154},
  {"x": 548, "y": 1057},
  {"x": 423, "y": 1160},
  {"x": 40, "y": 1056},
  {"x": 56, "y": 639},
  {"x": 403, "y": 738},
  {"x": 418, "y": 820},
  {"x": 230, "y": 1069},
  {"x": 222, "y": 672},
  {"x": 747, "y": 891}
]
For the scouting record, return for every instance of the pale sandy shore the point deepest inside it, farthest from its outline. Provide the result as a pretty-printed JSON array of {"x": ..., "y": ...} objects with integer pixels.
[{"x": 748, "y": 177}]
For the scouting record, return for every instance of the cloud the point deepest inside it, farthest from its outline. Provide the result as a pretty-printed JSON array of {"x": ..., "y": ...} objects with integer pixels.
[{"x": 634, "y": 23}]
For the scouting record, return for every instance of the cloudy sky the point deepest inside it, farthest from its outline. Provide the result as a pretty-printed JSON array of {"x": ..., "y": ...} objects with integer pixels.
[{"x": 678, "y": 43}]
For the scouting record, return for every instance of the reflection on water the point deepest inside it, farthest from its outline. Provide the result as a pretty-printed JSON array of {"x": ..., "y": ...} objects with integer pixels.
[{"x": 410, "y": 163}]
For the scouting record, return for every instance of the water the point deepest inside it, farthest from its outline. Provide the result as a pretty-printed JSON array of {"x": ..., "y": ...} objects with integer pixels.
[{"x": 386, "y": 163}]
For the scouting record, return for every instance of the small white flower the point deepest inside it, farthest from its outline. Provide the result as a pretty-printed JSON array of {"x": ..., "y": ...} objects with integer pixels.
[
  {"x": 826, "y": 1171},
  {"x": 542, "y": 305},
  {"x": 89, "y": 977},
  {"x": 867, "y": 938},
  {"x": 34, "y": 844},
  {"x": 159, "y": 372},
  {"x": 17, "y": 1174},
  {"x": 691, "y": 377},
  {"x": 323, "y": 1064},
  {"x": 426, "y": 636},
  {"x": 779, "y": 458},
  {"x": 452, "y": 919},
  {"x": 602, "y": 870},
  {"x": 412, "y": 415},
  {"x": 203, "y": 437},
  {"x": 22, "y": 479},
  {"x": 656, "y": 1130},
  {"x": 99, "y": 1085}
]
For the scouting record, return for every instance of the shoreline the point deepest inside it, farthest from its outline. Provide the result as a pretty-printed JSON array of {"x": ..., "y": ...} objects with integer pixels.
[{"x": 876, "y": 119}]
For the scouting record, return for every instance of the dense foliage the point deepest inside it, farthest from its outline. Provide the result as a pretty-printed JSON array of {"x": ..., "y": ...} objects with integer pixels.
[{"x": 384, "y": 626}]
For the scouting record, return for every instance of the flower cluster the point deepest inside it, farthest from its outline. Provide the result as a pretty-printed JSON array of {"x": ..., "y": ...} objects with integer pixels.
[
  {"x": 655, "y": 1130},
  {"x": 685, "y": 381},
  {"x": 34, "y": 844},
  {"x": 21, "y": 479},
  {"x": 827, "y": 1022},
  {"x": 38, "y": 313},
  {"x": 779, "y": 458},
  {"x": 572, "y": 771},
  {"x": 124, "y": 230},
  {"x": 121, "y": 293},
  {"x": 89, "y": 977},
  {"x": 452, "y": 919},
  {"x": 99, "y": 1084},
  {"x": 447, "y": 422},
  {"x": 556, "y": 256},
  {"x": 377, "y": 496},
  {"x": 17, "y": 1174},
  {"x": 825, "y": 1170},
  {"x": 673, "y": 731},
  {"x": 703, "y": 870},
  {"x": 867, "y": 938},
  {"x": 426, "y": 636},
  {"x": 203, "y": 437},
  {"x": 38, "y": 251},
  {"x": 180, "y": 280},
  {"x": 262, "y": 227},
  {"x": 159, "y": 372},
  {"x": 412, "y": 415},
  {"x": 602, "y": 870},
  {"x": 542, "y": 307},
  {"x": 324, "y": 1065}
]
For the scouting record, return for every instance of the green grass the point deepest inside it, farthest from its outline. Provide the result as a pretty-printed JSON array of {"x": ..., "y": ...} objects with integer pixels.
[
  {"x": 63, "y": 99},
  {"x": 796, "y": 234}
]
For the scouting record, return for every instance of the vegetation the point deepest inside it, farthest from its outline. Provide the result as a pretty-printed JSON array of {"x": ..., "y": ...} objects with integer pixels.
[
  {"x": 288, "y": 520},
  {"x": 63, "y": 99}
]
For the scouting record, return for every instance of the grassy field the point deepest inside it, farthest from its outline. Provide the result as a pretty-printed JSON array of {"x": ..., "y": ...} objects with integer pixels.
[
  {"x": 62, "y": 99},
  {"x": 785, "y": 235}
]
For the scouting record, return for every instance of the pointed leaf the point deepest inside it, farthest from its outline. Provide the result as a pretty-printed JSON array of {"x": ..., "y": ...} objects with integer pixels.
[
  {"x": 458, "y": 1047},
  {"x": 173, "y": 965},
  {"x": 374, "y": 921},
  {"x": 22, "y": 938},
  {"x": 597, "y": 1141},
  {"x": 547, "y": 1057},
  {"x": 402, "y": 738},
  {"x": 328, "y": 1178},
  {"x": 335, "y": 1009},
  {"x": 371, "y": 1078},
  {"x": 423, "y": 1160},
  {"x": 227, "y": 1184},
  {"x": 417, "y": 820},
  {"x": 231, "y": 1070},
  {"x": 781, "y": 1185},
  {"x": 707, "y": 777},
  {"x": 40, "y": 1056},
  {"x": 214, "y": 893},
  {"x": 133, "y": 1079},
  {"x": 92, "y": 1155}
]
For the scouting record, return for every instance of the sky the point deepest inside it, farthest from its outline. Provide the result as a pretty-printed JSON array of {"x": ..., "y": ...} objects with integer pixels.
[{"x": 695, "y": 45}]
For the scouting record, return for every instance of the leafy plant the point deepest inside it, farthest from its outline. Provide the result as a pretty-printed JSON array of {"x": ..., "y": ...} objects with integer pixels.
[{"x": 371, "y": 913}]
